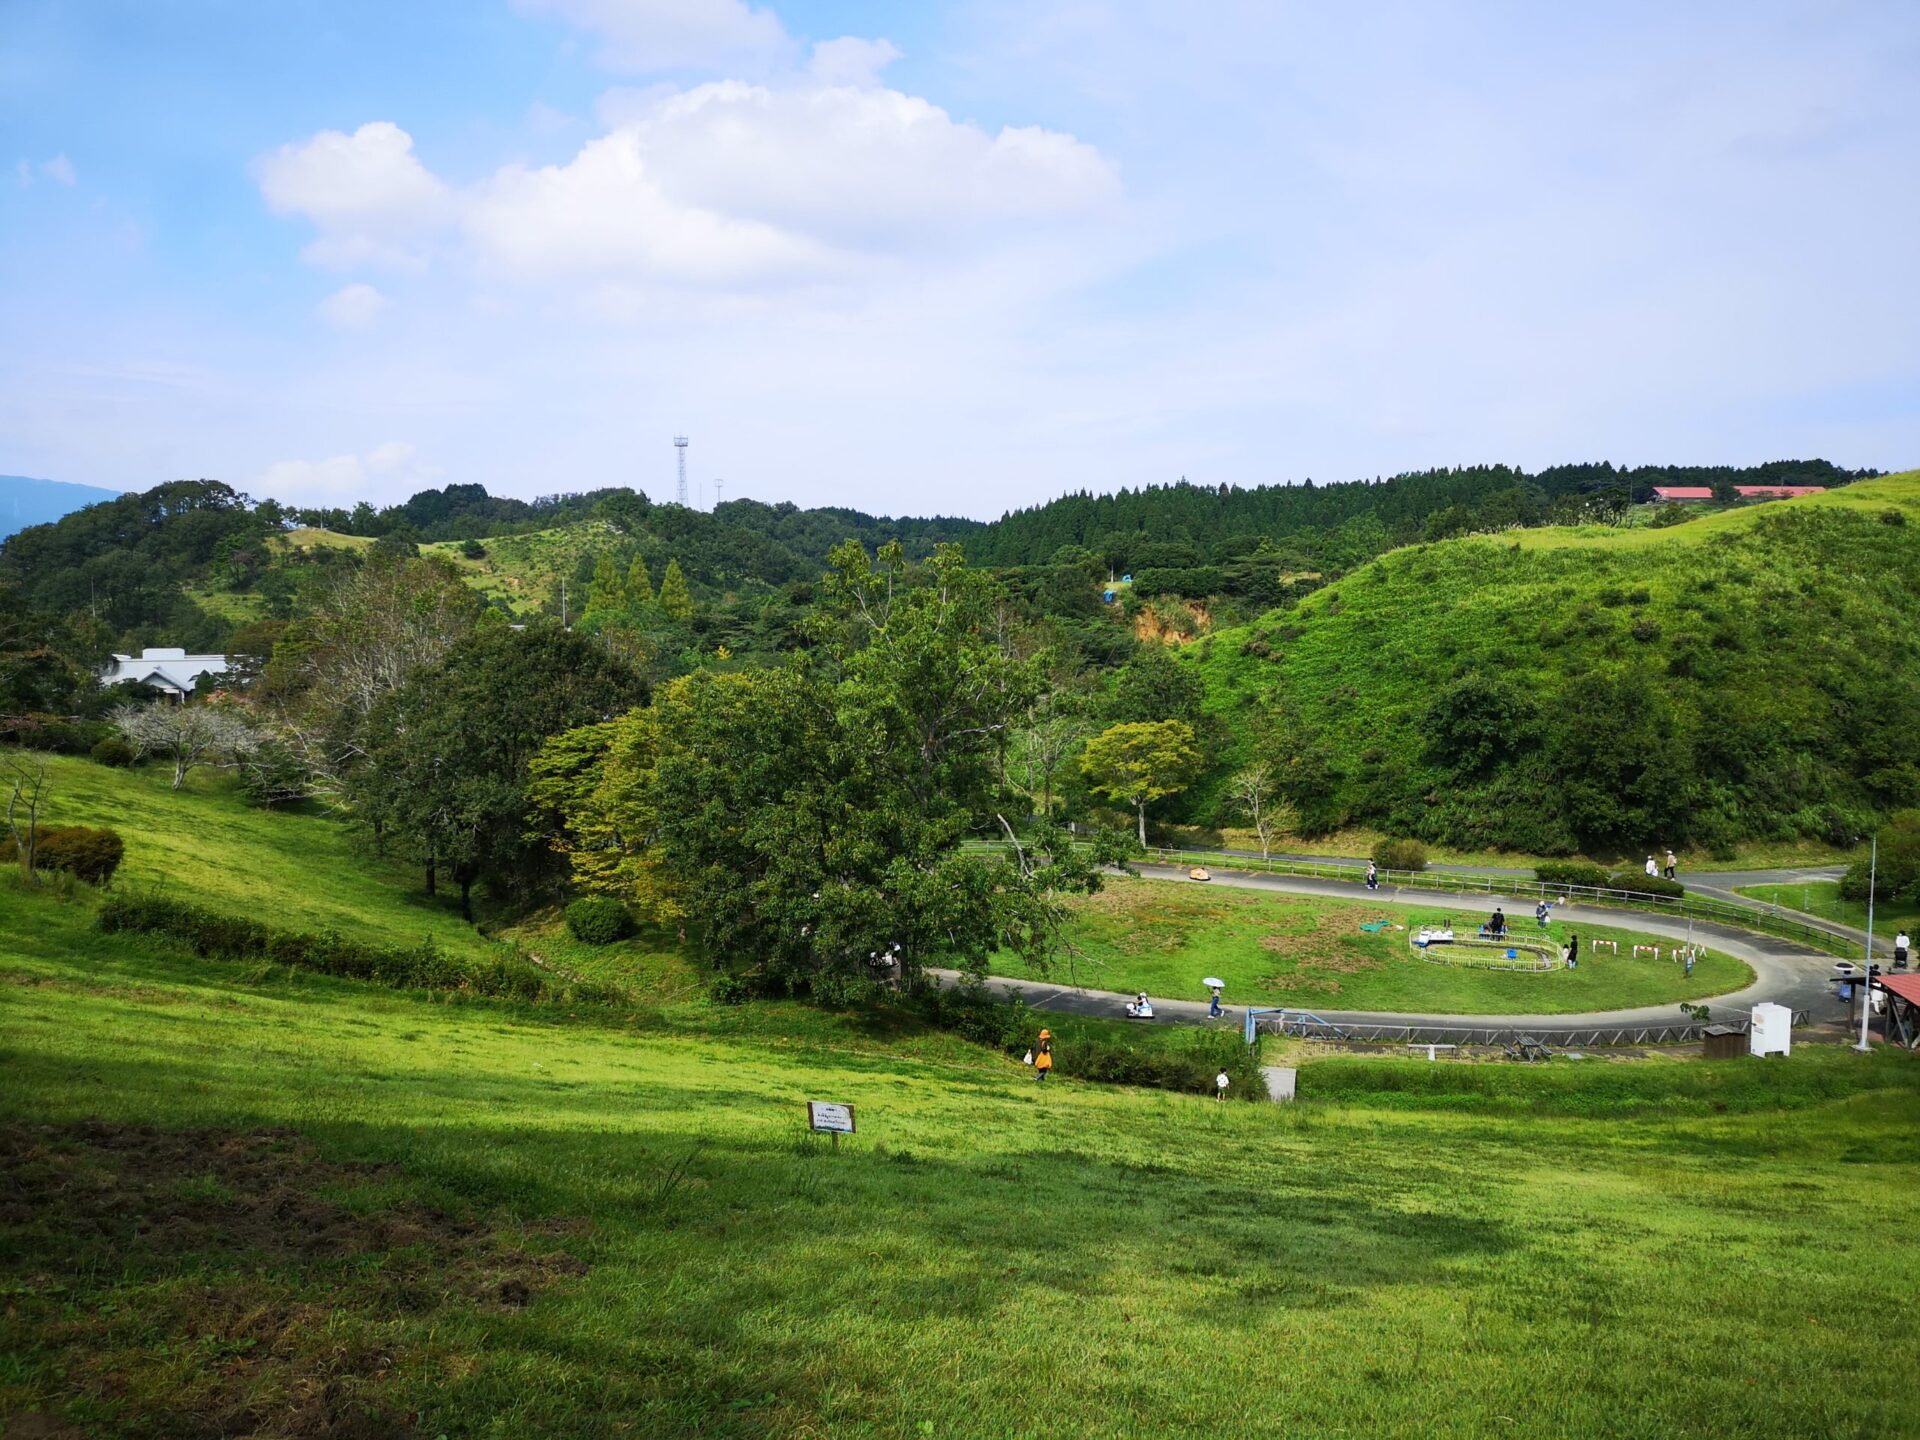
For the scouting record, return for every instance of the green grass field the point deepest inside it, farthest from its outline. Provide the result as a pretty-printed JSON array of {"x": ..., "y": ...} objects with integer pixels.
[
  {"x": 295, "y": 1206},
  {"x": 1822, "y": 898},
  {"x": 1165, "y": 936},
  {"x": 240, "y": 1200}
]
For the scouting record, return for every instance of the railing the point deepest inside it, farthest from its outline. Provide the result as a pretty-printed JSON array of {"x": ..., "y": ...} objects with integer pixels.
[
  {"x": 1306, "y": 1026},
  {"x": 1768, "y": 919}
]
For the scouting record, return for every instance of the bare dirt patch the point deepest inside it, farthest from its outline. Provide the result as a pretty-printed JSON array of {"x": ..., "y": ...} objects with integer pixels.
[{"x": 219, "y": 1282}]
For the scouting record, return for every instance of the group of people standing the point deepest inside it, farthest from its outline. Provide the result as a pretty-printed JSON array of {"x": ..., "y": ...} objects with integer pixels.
[{"x": 1653, "y": 866}]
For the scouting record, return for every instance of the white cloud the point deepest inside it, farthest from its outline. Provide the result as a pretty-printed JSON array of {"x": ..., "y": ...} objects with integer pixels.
[
  {"x": 844, "y": 162},
  {"x": 384, "y": 470},
  {"x": 851, "y": 60},
  {"x": 654, "y": 35},
  {"x": 604, "y": 214},
  {"x": 59, "y": 170},
  {"x": 372, "y": 201},
  {"x": 725, "y": 184},
  {"x": 352, "y": 307}
]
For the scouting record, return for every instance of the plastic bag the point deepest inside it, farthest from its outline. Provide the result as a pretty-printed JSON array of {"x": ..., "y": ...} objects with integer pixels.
[{"x": 1029, "y": 1059}]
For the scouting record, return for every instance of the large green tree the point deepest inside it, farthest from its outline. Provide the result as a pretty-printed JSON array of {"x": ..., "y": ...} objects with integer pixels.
[
  {"x": 814, "y": 818},
  {"x": 450, "y": 748},
  {"x": 1141, "y": 761}
]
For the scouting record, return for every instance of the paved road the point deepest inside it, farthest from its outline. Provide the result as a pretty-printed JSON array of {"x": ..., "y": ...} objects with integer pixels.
[
  {"x": 1783, "y": 972},
  {"x": 1717, "y": 884}
]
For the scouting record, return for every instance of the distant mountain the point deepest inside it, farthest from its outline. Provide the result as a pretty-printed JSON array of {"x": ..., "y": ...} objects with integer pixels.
[{"x": 24, "y": 501}]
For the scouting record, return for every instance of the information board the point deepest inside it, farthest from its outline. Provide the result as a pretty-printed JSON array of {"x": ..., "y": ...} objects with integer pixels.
[{"x": 821, "y": 1115}]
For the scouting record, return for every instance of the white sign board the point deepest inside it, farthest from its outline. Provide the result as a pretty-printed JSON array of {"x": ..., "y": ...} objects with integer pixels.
[{"x": 823, "y": 1116}]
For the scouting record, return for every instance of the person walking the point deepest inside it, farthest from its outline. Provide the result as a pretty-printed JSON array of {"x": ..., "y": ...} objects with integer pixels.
[
  {"x": 1573, "y": 952},
  {"x": 1689, "y": 962},
  {"x": 1043, "y": 1056},
  {"x": 1373, "y": 876},
  {"x": 1220, "y": 1086},
  {"x": 1542, "y": 913},
  {"x": 1213, "y": 1009},
  {"x": 1673, "y": 862},
  {"x": 1900, "y": 944}
]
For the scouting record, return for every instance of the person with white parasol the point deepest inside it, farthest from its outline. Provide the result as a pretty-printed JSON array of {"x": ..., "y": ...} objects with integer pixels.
[{"x": 1216, "y": 985}]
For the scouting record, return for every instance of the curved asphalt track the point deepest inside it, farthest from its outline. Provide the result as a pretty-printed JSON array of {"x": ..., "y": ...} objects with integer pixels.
[{"x": 1783, "y": 972}]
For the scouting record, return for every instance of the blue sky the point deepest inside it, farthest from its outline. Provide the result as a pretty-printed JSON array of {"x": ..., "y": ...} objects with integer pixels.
[{"x": 953, "y": 257}]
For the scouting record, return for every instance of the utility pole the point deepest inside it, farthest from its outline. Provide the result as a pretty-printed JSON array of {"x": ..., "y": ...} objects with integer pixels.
[
  {"x": 680, "y": 449},
  {"x": 563, "y": 604},
  {"x": 1866, "y": 994}
]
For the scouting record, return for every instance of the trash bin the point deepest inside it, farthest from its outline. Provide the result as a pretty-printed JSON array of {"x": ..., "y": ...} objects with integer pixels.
[{"x": 1722, "y": 1042}]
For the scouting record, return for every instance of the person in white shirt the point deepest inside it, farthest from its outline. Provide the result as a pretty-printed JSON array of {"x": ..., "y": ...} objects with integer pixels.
[
  {"x": 1900, "y": 944},
  {"x": 1220, "y": 1086},
  {"x": 1652, "y": 868}
]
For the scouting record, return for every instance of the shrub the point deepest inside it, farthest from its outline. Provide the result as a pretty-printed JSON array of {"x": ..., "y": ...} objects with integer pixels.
[
  {"x": 1399, "y": 854},
  {"x": 77, "y": 850},
  {"x": 51, "y": 732},
  {"x": 113, "y": 752},
  {"x": 598, "y": 920},
  {"x": 219, "y": 936},
  {"x": 1640, "y": 883},
  {"x": 473, "y": 550},
  {"x": 1572, "y": 872}
]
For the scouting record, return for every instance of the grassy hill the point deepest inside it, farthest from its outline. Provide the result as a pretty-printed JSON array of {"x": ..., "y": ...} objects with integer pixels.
[{"x": 1749, "y": 673}]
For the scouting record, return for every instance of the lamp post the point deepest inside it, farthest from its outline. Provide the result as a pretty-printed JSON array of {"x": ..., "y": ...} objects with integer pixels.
[{"x": 1866, "y": 995}]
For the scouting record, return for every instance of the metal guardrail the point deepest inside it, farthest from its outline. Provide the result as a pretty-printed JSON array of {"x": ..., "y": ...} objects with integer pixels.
[
  {"x": 1770, "y": 920},
  {"x": 1312, "y": 1027}
]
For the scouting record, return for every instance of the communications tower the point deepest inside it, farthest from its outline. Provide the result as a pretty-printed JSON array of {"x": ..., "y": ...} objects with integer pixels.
[{"x": 680, "y": 449}]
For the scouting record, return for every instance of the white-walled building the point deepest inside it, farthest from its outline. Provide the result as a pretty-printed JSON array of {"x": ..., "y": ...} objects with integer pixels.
[{"x": 171, "y": 671}]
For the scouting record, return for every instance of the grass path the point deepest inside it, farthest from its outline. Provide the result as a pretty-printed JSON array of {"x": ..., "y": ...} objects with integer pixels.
[{"x": 1414, "y": 1249}]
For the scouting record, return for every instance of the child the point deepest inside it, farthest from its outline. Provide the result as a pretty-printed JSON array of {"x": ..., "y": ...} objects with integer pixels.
[
  {"x": 1220, "y": 1086},
  {"x": 1373, "y": 876}
]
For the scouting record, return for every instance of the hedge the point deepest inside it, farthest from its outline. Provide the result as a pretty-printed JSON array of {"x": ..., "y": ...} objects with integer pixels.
[
  {"x": 1400, "y": 855},
  {"x": 1572, "y": 872},
  {"x": 220, "y": 936},
  {"x": 1640, "y": 883}
]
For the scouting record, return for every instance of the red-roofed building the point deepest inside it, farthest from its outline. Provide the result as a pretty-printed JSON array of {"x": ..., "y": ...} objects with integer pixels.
[{"x": 1745, "y": 492}]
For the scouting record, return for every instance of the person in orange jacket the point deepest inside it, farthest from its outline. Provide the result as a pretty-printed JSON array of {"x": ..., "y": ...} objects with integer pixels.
[{"x": 1043, "y": 1056}]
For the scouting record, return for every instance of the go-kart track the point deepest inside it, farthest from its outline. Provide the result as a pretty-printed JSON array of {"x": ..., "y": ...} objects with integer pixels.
[{"x": 1784, "y": 973}]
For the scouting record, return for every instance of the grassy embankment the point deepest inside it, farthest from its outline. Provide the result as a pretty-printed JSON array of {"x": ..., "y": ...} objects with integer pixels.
[
  {"x": 1750, "y": 626},
  {"x": 1164, "y": 937},
  {"x": 388, "y": 1215},
  {"x": 1822, "y": 898}
]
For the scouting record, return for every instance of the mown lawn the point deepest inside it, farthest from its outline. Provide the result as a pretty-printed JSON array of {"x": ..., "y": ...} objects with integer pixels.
[
  {"x": 1164, "y": 937},
  {"x": 249, "y": 1204}
]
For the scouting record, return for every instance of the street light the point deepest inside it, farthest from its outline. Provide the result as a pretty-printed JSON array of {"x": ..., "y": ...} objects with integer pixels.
[{"x": 1866, "y": 995}]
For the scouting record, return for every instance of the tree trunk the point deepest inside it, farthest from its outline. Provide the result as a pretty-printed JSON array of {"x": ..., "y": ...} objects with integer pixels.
[
  {"x": 1141, "y": 807},
  {"x": 466, "y": 899},
  {"x": 179, "y": 770},
  {"x": 433, "y": 877}
]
